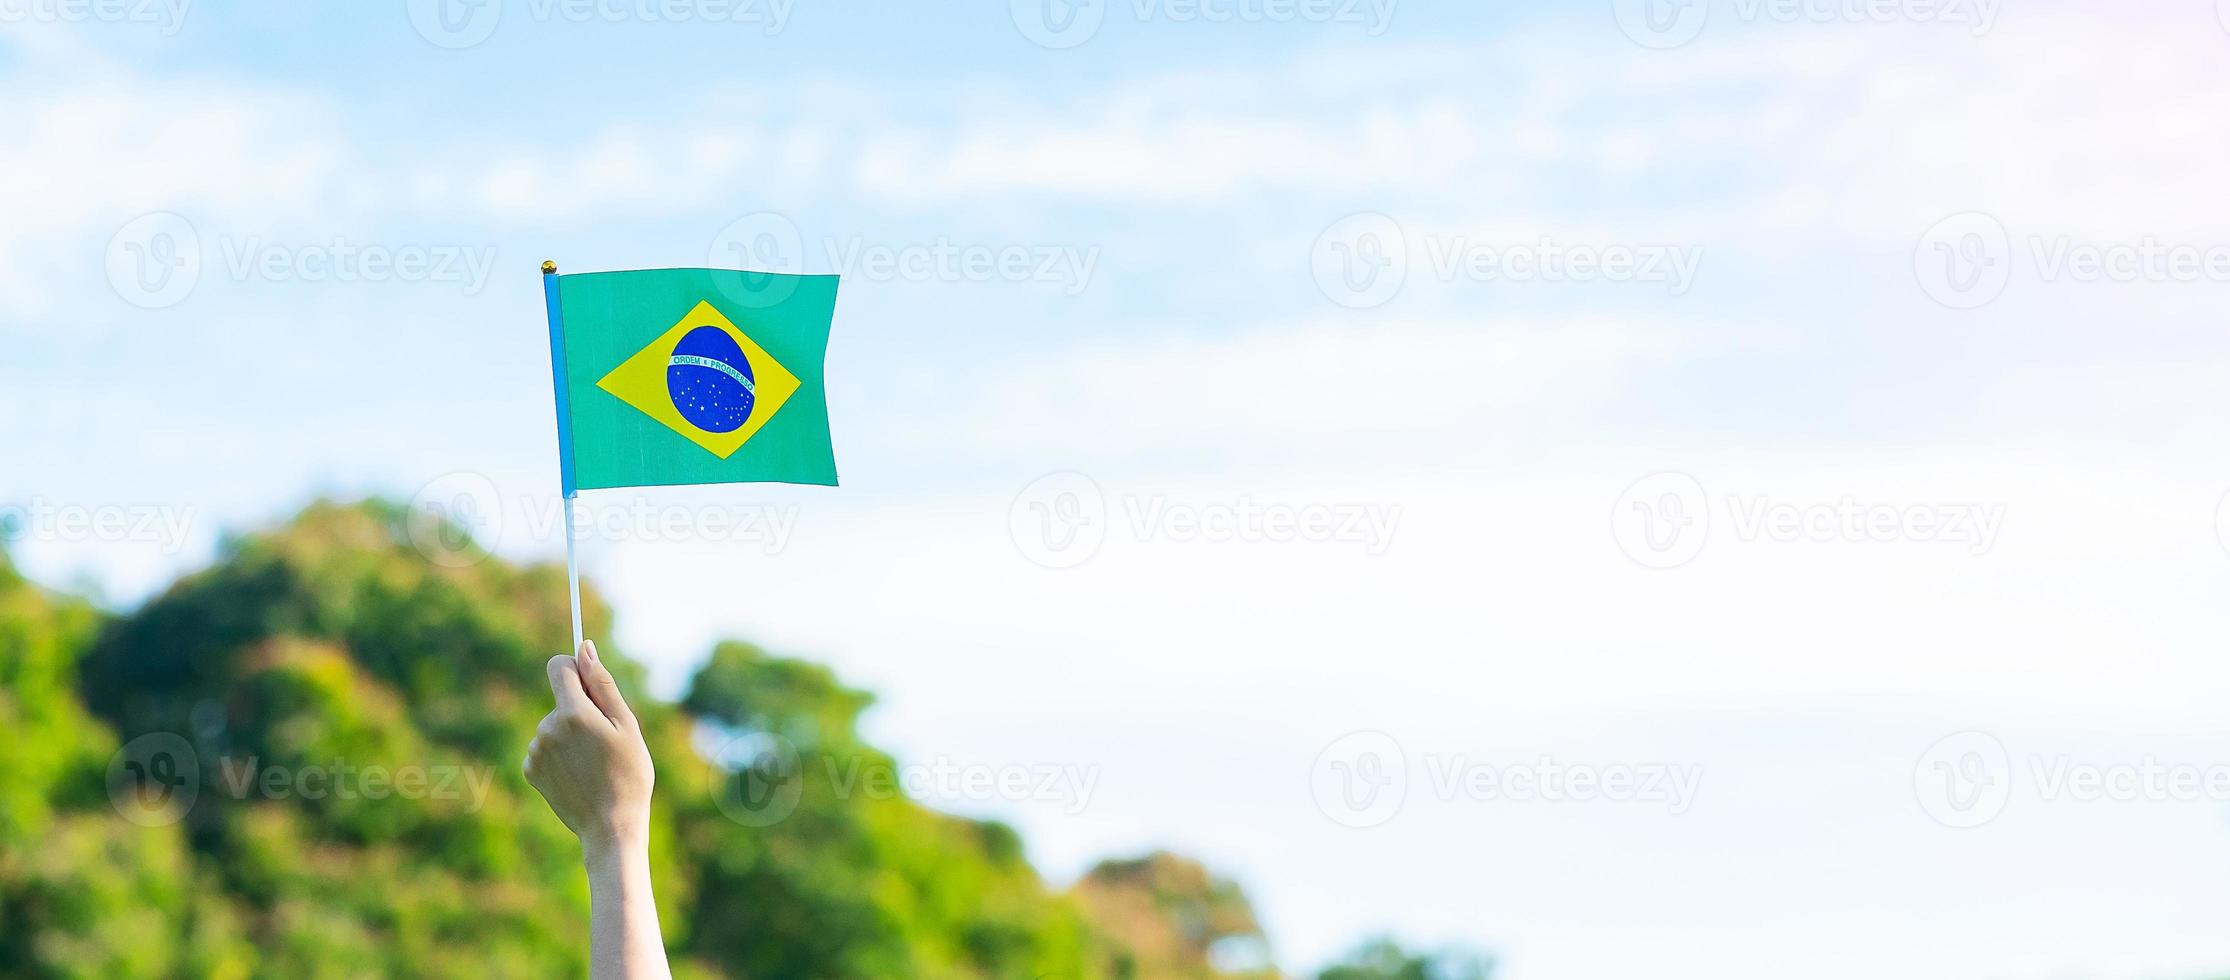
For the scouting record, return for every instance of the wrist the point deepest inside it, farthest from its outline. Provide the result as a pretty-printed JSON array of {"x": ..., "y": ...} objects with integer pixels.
[{"x": 614, "y": 848}]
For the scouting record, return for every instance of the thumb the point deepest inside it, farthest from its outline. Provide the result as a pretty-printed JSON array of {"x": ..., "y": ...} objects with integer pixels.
[
  {"x": 565, "y": 683},
  {"x": 602, "y": 687}
]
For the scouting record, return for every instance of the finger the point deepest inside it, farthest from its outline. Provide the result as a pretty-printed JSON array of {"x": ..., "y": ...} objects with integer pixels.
[
  {"x": 602, "y": 687},
  {"x": 565, "y": 683}
]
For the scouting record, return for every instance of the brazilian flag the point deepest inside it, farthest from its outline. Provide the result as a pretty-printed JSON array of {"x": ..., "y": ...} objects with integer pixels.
[{"x": 681, "y": 376}]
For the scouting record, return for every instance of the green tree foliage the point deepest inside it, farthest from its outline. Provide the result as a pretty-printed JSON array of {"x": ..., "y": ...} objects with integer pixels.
[
  {"x": 315, "y": 668},
  {"x": 857, "y": 883},
  {"x": 1174, "y": 917},
  {"x": 1384, "y": 959},
  {"x": 81, "y": 892}
]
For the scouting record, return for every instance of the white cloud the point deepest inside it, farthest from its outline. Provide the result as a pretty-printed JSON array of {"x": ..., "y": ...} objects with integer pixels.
[
  {"x": 1322, "y": 389},
  {"x": 1780, "y": 131},
  {"x": 90, "y": 151},
  {"x": 663, "y": 171}
]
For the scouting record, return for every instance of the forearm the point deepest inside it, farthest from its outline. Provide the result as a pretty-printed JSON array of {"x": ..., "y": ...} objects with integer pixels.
[
  {"x": 624, "y": 943},
  {"x": 589, "y": 760}
]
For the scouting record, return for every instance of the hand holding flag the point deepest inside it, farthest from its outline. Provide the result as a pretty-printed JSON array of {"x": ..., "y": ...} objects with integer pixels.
[
  {"x": 587, "y": 757},
  {"x": 589, "y": 761},
  {"x": 667, "y": 377}
]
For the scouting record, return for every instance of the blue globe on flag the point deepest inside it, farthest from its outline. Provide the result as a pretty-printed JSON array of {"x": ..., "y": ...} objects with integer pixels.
[{"x": 710, "y": 380}]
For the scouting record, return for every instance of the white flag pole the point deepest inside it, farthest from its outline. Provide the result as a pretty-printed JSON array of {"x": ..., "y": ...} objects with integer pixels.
[{"x": 572, "y": 569}]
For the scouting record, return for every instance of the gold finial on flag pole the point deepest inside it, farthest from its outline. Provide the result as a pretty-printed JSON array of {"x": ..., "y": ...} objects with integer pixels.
[{"x": 549, "y": 268}]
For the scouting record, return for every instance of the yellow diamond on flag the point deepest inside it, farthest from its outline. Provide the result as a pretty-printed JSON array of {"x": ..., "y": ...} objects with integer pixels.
[{"x": 705, "y": 380}]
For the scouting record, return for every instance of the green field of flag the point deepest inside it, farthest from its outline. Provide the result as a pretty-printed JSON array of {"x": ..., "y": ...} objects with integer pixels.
[{"x": 685, "y": 376}]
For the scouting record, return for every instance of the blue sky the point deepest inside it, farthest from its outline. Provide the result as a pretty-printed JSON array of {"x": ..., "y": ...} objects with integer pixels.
[{"x": 1943, "y": 476}]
